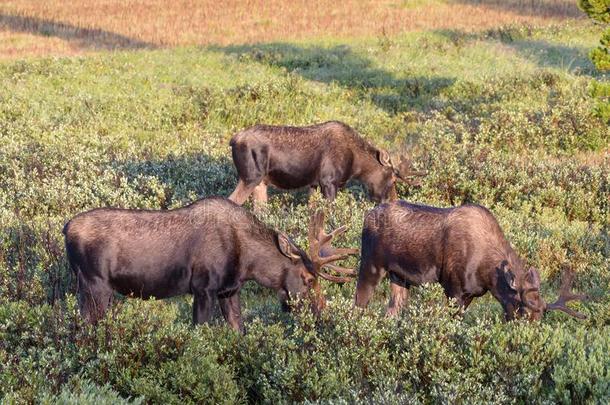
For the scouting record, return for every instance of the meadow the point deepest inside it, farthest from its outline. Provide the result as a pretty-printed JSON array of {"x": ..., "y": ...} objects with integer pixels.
[
  {"x": 498, "y": 113},
  {"x": 55, "y": 27}
]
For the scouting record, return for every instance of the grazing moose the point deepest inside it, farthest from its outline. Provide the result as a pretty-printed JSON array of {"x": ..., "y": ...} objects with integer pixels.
[
  {"x": 209, "y": 249},
  {"x": 325, "y": 155},
  {"x": 462, "y": 248}
]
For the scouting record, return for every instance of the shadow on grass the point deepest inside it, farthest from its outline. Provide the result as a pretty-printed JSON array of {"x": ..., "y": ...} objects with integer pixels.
[
  {"x": 340, "y": 65},
  {"x": 84, "y": 38},
  {"x": 536, "y": 8},
  {"x": 543, "y": 53}
]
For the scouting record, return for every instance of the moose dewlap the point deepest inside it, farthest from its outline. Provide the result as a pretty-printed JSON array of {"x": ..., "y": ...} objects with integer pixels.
[{"x": 462, "y": 248}]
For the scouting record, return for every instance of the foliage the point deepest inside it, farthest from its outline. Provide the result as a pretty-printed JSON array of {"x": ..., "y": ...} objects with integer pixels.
[
  {"x": 427, "y": 355},
  {"x": 490, "y": 119},
  {"x": 599, "y": 10},
  {"x": 85, "y": 392}
]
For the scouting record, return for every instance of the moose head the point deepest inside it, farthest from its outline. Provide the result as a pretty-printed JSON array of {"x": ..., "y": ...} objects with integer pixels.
[
  {"x": 527, "y": 302},
  {"x": 321, "y": 257},
  {"x": 398, "y": 168}
]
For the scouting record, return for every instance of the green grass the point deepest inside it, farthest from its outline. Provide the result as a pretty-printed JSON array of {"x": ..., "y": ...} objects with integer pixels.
[{"x": 501, "y": 118}]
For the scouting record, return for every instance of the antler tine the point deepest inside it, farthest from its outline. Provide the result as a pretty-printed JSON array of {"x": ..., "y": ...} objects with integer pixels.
[
  {"x": 321, "y": 251},
  {"x": 325, "y": 260},
  {"x": 335, "y": 279},
  {"x": 326, "y": 238},
  {"x": 316, "y": 224},
  {"x": 339, "y": 269},
  {"x": 566, "y": 280},
  {"x": 418, "y": 173},
  {"x": 346, "y": 251},
  {"x": 565, "y": 295},
  {"x": 567, "y": 310},
  {"x": 405, "y": 172}
]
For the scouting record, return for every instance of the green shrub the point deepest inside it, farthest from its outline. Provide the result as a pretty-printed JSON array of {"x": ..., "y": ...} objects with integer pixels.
[
  {"x": 85, "y": 392},
  {"x": 150, "y": 129}
]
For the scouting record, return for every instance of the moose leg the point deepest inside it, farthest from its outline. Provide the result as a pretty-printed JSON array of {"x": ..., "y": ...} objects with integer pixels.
[
  {"x": 510, "y": 312},
  {"x": 329, "y": 190},
  {"x": 94, "y": 297},
  {"x": 466, "y": 302},
  {"x": 242, "y": 192},
  {"x": 231, "y": 311},
  {"x": 260, "y": 195},
  {"x": 203, "y": 304},
  {"x": 368, "y": 279},
  {"x": 399, "y": 295},
  {"x": 252, "y": 163}
]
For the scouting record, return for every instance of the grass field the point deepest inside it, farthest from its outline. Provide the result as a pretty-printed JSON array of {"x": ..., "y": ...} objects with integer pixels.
[
  {"x": 31, "y": 27},
  {"x": 491, "y": 101}
]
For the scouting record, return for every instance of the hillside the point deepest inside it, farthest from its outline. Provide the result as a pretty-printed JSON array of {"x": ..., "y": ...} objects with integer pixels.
[{"x": 498, "y": 115}]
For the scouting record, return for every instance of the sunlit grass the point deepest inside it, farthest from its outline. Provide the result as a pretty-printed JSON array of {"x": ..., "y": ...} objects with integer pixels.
[{"x": 66, "y": 28}]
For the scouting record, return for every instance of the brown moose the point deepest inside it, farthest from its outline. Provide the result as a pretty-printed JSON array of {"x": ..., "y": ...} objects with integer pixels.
[
  {"x": 462, "y": 248},
  {"x": 325, "y": 155},
  {"x": 209, "y": 249}
]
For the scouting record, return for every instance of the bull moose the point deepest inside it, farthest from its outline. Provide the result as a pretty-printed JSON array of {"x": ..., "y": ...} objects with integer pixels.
[
  {"x": 462, "y": 248},
  {"x": 325, "y": 155},
  {"x": 208, "y": 249}
]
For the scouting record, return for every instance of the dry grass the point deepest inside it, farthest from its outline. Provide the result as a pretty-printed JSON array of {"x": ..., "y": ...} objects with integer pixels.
[{"x": 33, "y": 27}]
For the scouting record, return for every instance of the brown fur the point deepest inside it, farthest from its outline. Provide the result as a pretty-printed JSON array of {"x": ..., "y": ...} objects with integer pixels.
[
  {"x": 325, "y": 155},
  {"x": 209, "y": 249},
  {"x": 462, "y": 248}
]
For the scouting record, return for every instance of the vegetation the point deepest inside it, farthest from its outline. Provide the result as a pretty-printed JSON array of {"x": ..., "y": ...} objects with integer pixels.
[
  {"x": 500, "y": 117},
  {"x": 32, "y": 27},
  {"x": 599, "y": 10}
]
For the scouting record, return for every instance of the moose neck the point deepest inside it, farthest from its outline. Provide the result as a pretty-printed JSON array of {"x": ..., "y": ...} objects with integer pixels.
[
  {"x": 507, "y": 254},
  {"x": 264, "y": 263},
  {"x": 366, "y": 167}
]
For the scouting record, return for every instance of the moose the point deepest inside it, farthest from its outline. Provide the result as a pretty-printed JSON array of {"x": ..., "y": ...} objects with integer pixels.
[
  {"x": 209, "y": 249},
  {"x": 325, "y": 155},
  {"x": 462, "y": 248}
]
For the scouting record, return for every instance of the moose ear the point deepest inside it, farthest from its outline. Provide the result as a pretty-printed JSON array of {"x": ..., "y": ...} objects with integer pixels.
[
  {"x": 533, "y": 278},
  {"x": 286, "y": 247},
  {"x": 509, "y": 276},
  {"x": 384, "y": 158}
]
